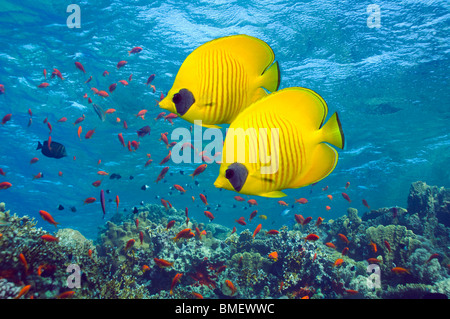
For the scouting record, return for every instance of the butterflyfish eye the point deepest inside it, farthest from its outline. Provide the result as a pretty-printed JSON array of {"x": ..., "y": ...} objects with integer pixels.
[
  {"x": 237, "y": 175},
  {"x": 183, "y": 100},
  {"x": 229, "y": 173}
]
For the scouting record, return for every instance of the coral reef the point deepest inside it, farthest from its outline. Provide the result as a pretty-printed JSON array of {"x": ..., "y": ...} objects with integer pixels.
[{"x": 389, "y": 252}]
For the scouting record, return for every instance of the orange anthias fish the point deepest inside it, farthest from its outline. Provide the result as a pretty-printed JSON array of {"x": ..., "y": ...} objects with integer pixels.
[
  {"x": 121, "y": 64},
  {"x": 365, "y": 203},
  {"x": 47, "y": 217},
  {"x": 80, "y": 66},
  {"x": 24, "y": 262},
  {"x": 272, "y": 232},
  {"x": 338, "y": 262},
  {"x": 343, "y": 238},
  {"x": 239, "y": 198},
  {"x": 257, "y": 229},
  {"x": 301, "y": 201},
  {"x": 231, "y": 286},
  {"x": 282, "y": 203},
  {"x": 373, "y": 246},
  {"x": 5, "y": 185},
  {"x": 331, "y": 245},
  {"x": 273, "y": 256},
  {"x": 175, "y": 281},
  {"x": 252, "y": 202},
  {"x": 347, "y": 198},
  {"x": 23, "y": 291},
  {"x": 89, "y": 200},
  {"x": 209, "y": 215},
  {"x": 199, "y": 170},
  {"x": 66, "y": 294},
  {"x": 185, "y": 233},
  {"x": 89, "y": 134},
  {"x": 130, "y": 243},
  {"x": 400, "y": 270},
  {"x": 252, "y": 215},
  {"x": 319, "y": 221},
  {"x": 179, "y": 188},
  {"x": 50, "y": 238},
  {"x": 162, "y": 263},
  {"x": 162, "y": 174}
]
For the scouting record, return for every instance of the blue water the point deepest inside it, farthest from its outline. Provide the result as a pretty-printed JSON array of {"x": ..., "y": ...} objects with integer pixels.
[{"x": 390, "y": 86}]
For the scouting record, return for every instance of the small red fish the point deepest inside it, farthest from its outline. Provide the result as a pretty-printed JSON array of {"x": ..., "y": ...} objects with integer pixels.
[
  {"x": 346, "y": 197},
  {"x": 89, "y": 134},
  {"x": 47, "y": 217},
  {"x": 257, "y": 229},
  {"x": 96, "y": 183},
  {"x": 252, "y": 202},
  {"x": 121, "y": 64},
  {"x": 175, "y": 280},
  {"x": 204, "y": 200},
  {"x": 400, "y": 270},
  {"x": 239, "y": 198},
  {"x": 170, "y": 224},
  {"x": 130, "y": 243},
  {"x": 241, "y": 221},
  {"x": 150, "y": 79},
  {"x": 272, "y": 232},
  {"x": 199, "y": 170},
  {"x": 185, "y": 233},
  {"x": 123, "y": 82},
  {"x": 365, "y": 203},
  {"x": 122, "y": 141},
  {"x": 135, "y": 50},
  {"x": 230, "y": 285},
  {"x": 6, "y": 118},
  {"x": 311, "y": 237},
  {"x": 252, "y": 215},
  {"x": 43, "y": 85},
  {"x": 5, "y": 185},
  {"x": 63, "y": 119},
  {"x": 80, "y": 66},
  {"x": 112, "y": 87},
  {"x": 347, "y": 185},
  {"x": 388, "y": 246},
  {"x": 209, "y": 215},
  {"x": 344, "y": 238},
  {"x": 433, "y": 256},
  {"x": 102, "y": 93},
  {"x": 23, "y": 291},
  {"x": 89, "y": 200},
  {"x": 301, "y": 200},
  {"x": 166, "y": 159},
  {"x": 162, "y": 263},
  {"x": 34, "y": 160},
  {"x": 49, "y": 238},
  {"x": 162, "y": 174}
]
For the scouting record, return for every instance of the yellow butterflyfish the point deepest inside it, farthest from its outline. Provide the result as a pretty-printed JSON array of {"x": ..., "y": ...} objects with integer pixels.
[{"x": 280, "y": 142}]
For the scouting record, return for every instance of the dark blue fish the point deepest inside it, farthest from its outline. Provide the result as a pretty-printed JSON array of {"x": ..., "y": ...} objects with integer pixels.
[
  {"x": 143, "y": 131},
  {"x": 56, "y": 150}
]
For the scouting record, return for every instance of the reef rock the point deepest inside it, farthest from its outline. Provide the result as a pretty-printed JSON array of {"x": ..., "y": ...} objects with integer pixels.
[{"x": 428, "y": 201}]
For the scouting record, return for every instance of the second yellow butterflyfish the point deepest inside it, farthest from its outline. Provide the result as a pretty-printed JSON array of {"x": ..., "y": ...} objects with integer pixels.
[{"x": 280, "y": 142}]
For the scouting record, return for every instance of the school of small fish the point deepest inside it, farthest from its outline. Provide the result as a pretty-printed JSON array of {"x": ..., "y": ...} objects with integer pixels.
[{"x": 191, "y": 98}]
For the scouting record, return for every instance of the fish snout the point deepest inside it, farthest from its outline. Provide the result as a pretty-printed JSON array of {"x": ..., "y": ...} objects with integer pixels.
[{"x": 167, "y": 104}]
